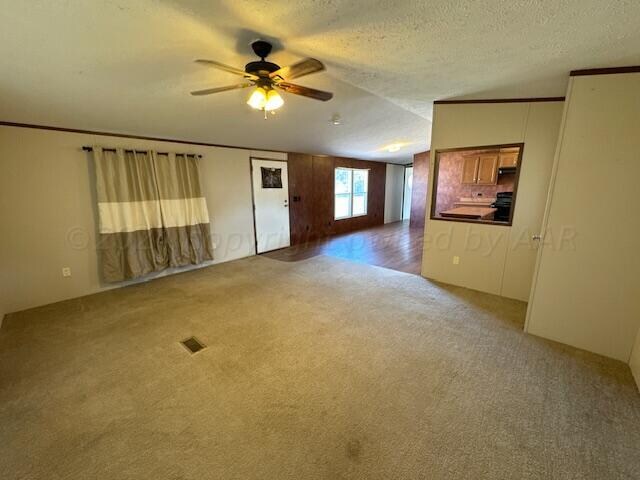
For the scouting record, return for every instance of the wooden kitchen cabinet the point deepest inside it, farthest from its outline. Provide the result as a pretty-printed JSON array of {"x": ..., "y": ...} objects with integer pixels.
[
  {"x": 508, "y": 159},
  {"x": 470, "y": 170},
  {"x": 487, "y": 169},
  {"x": 480, "y": 169}
]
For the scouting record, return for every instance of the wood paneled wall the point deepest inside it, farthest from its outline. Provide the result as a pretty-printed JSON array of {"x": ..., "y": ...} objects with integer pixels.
[
  {"x": 419, "y": 192},
  {"x": 311, "y": 187},
  {"x": 301, "y": 197}
]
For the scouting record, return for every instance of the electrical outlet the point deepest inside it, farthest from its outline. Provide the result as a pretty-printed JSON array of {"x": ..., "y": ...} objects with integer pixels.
[
  {"x": 66, "y": 271},
  {"x": 456, "y": 260}
]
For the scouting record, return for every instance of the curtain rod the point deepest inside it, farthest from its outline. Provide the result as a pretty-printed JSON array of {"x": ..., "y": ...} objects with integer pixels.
[{"x": 90, "y": 149}]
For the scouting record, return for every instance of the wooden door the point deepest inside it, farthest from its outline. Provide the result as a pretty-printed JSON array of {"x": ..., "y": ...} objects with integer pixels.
[
  {"x": 487, "y": 169},
  {"x": 470, "y": 170},
  {"x": 508, "y": 159}
]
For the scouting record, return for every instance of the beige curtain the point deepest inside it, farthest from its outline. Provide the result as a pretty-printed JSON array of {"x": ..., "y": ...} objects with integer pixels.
[
  {"x": 151, "y": 211},
  {"x": 184, "y": 210}
]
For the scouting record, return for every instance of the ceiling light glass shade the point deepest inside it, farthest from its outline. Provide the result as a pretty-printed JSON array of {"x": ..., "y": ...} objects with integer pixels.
[
  {"x": 258, "y": 99},
  {"x": 274, "y": 101}
]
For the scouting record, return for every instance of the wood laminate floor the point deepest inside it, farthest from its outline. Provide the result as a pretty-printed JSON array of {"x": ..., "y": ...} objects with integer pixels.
[{"x": 394, "y": 245}]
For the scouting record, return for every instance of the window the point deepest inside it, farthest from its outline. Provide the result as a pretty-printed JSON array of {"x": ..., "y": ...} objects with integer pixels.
[
  {"x": 351, "y": 187},
  {"x": 476, "y": 184}
]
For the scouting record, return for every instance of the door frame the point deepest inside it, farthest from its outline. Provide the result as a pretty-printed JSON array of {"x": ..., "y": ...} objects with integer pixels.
[{"x": 253, "y": 200}]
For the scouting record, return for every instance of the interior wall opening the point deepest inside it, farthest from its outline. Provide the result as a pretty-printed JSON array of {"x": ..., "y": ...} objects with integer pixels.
[{"x": 476, "y": 184}]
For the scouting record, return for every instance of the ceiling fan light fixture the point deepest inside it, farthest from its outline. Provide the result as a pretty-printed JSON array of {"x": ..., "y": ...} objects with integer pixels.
[
  {"x": 274, "y": 101},
  {"x": 258, "y": 99},
  {"x": 265, "y": 99}
]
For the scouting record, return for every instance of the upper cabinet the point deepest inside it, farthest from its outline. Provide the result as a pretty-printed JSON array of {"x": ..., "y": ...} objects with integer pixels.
[
  {"x": 487, "y": 169},
  {"x": 470, "y": 169},
  {"x": 508, "y": 158},
  {"x": 480, "y": 169}
]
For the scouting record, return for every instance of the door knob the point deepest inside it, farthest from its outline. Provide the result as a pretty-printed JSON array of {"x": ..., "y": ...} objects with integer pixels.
[{"x": 536, "y": 237}]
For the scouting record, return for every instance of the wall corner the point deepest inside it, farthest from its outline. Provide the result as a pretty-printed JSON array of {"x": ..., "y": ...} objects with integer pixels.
[{"x": 634, "y": 361}]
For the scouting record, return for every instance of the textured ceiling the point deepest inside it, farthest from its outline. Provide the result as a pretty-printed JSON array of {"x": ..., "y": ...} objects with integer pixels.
[{"x": 126, "y": 65}]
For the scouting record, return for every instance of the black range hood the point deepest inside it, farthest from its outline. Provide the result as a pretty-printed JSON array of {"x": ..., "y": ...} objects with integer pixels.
[{"x": 502, "y": 170}]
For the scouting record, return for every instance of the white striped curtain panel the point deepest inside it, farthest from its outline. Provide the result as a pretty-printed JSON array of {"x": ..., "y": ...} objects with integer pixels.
[{"x": 152, "y": 212}]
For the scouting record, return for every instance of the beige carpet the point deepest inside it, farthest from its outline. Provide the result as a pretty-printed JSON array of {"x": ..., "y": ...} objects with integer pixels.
[{"x": 321, "y": 369}]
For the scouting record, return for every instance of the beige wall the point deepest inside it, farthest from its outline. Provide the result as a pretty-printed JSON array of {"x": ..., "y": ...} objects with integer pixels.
[
  {"x": 586, "y": 295},
  {"x": 48, "y": 216},
  {"x": 393, "y": 192},
  {"x": 493, "y": 258}
]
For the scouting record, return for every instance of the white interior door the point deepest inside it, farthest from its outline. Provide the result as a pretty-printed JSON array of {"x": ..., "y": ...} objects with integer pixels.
[{"x": 271, "y": 203}]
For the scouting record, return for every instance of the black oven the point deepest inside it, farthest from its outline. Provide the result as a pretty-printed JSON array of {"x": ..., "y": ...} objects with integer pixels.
[{"x": 503, "y": 204}]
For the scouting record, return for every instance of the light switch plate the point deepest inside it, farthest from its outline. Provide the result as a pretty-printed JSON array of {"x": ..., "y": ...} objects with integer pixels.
[
  {"x": 456, "y": 260},
  {"x": 66, "y": 272}
]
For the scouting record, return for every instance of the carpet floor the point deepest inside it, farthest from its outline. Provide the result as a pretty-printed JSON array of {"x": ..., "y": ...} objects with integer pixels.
[{"x": 319, "y": 369}]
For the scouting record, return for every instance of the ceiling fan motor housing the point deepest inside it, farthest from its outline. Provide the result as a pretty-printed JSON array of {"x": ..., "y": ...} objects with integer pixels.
[{"x": 262, "y": 68}]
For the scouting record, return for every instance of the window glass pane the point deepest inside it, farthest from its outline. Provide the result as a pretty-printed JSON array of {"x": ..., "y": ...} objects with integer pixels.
[
  {"x": 342, "y": 187},
  {"x": 343, "y": 181},
  {"x": 342, "y": 205},
  {"x": 351, "y": 188},
  {"x": 360, "y": 180},
  {"x": 359, "y": 203}
]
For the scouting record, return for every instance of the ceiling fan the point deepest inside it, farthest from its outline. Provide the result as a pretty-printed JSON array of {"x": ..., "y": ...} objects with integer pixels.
[{"x": 267, "y": 77}]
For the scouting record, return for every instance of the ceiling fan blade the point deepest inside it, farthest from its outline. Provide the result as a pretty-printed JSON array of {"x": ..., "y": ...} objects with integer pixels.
[
  {"x": 304, "y": 67},
  {"x": 209, "y": 91},
  {"x": 226, "y": 68},
  {"x": 305, "y": 91}
]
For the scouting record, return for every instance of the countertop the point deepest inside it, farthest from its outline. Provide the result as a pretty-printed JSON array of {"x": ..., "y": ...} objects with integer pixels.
[
  {"x": 479, "y": 213},
  {"x": 474, "y": 202}
]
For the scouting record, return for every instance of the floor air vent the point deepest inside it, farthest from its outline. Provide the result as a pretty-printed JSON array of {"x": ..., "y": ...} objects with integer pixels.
[{"x": 193, "y": 345}]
